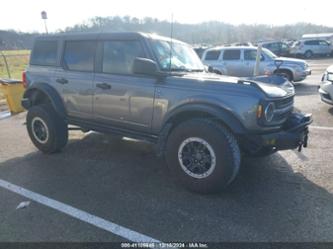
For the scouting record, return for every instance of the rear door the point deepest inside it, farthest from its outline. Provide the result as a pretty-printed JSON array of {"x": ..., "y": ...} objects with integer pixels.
[
  {"x": 122, "y": 98},
  {"x": 231, "y": 60},
  {"x": 75, "y": 77}
]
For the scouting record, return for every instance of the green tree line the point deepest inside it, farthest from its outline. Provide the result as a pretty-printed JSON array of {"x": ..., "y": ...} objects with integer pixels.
[{"x": 212, "y": 33}]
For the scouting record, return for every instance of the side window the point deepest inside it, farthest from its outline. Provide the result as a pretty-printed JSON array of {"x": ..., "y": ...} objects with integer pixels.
[
  {"x": 212, "y": 55},
  {"x": 323, "y": 43},
  {"x": 284, "y": 46},
  {"x": 275, "y": 46},
  {"x": 118, "y": 56},
  {"x": 251, "y": 55},
  {"x": 231, "y": 54},
  {"x": 44, "y": 53},
  {"x": 79, "y": 55},
  {"x": 312, "y": 43}
]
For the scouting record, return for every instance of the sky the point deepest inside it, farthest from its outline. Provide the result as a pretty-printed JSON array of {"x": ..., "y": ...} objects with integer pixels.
[{"x": 24, "y": 15}]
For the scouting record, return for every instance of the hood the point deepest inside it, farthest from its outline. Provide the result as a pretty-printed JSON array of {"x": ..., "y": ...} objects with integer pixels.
[
  {"x": 211, "y": 77},
  {"x": 291, "y": 60},
  {"x": 330, "y": 69},
  {"x": 272, "y": 86}
]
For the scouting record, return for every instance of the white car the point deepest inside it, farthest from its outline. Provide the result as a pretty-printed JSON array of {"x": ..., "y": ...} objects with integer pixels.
[{"x": 326, "y": 86}]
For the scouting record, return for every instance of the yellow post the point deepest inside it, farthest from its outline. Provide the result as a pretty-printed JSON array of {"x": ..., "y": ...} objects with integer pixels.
[{"x": 13, "y": 92}]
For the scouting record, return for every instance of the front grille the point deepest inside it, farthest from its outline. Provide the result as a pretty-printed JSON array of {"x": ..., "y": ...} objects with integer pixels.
[
  {"x": 283, "y": 108},
  {"x": 280, "y": 104}
]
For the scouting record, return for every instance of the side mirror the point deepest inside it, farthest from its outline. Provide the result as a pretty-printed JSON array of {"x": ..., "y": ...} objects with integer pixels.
[
  {"x": 213, "y": 70},
  {"x": 145, "y": 66},
  {"x": 210, "y": 69}
]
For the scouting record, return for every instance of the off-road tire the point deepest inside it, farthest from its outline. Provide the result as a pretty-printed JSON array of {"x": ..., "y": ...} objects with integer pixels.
[
  {"x": 57, "y": 128},
  {"x": 224, "y": 145}
]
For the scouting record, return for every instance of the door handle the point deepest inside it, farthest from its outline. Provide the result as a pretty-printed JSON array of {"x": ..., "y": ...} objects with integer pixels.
[
  {"x": 104, "y": 86},
  {"x": 62, "y": 81}
]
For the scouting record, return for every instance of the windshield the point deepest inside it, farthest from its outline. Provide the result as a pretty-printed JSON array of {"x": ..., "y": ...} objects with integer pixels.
[
  {"x": 269, "y": 53},
  {"x": 182, "y": 57}
]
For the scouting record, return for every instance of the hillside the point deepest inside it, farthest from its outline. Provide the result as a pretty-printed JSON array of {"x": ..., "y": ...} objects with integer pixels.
[{"x": 203, "y": 33}]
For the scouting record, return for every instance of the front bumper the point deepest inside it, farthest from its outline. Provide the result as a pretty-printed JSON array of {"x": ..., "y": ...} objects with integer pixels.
[
  {"x": 299, "y": 76},
  {"x": 325, "y": 96},
  {"x": 294, "y": 134}
]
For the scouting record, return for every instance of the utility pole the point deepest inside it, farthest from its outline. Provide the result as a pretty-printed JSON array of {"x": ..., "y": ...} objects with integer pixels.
[{"x": 44, "y": 17}]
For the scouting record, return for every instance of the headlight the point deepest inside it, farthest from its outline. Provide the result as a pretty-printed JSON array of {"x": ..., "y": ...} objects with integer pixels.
[{"x": 269, "y": 112}]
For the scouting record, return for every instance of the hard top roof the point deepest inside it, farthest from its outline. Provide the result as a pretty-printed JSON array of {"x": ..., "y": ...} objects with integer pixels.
[{"x": 104, "y": 35}]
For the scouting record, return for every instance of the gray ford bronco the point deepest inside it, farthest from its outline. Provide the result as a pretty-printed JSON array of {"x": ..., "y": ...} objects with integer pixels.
[{"x": 156, "y": 89}]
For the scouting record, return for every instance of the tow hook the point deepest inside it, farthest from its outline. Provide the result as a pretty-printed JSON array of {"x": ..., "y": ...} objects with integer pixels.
[
  {"x": 303, "y": 143},
  {"x": 300, "y": 145}
]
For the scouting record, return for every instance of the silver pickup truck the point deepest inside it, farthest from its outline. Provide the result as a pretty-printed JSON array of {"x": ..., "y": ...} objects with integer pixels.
[{"x": 152, "y": 88}]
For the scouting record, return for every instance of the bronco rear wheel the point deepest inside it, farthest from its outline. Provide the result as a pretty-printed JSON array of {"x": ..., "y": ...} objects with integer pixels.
[
  {"x": 203, "y": 155},
  {"x": 46, "y": 129}
]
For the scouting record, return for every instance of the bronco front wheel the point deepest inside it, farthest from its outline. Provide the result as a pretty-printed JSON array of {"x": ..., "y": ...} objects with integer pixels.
[{"x": 203, "y": 155}]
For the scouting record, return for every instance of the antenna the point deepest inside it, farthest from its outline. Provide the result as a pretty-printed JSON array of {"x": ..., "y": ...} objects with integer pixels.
[{"x": 171, "y": 37}]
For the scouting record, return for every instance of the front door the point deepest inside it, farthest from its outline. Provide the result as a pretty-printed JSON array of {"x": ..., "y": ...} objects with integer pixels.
[
  {"x": 250, "y": 56},
  {"x": 122, "y": 98}
]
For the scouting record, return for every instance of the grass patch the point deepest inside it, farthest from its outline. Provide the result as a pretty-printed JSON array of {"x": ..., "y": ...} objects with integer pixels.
[{"x": 17, "y": 62}]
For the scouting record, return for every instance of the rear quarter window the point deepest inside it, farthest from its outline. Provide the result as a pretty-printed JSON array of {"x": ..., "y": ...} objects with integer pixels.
[{"x": 44, "y": 53}]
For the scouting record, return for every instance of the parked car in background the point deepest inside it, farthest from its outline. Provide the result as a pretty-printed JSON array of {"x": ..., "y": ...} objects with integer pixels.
[
  {"x": 241, "y": 44},
  {"x": 311, "y": 47},
  {"x": 240, "y": 62},
  {"x": 277, "y": 47},
  {"x": 320, "y": 36},
  {"x": 326, "y": 86}
]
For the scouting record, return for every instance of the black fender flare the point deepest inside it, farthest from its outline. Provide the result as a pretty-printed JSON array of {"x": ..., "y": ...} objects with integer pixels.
[
  {"x": 50, "y": 92},
  {"x": 220, "y": 113}
]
